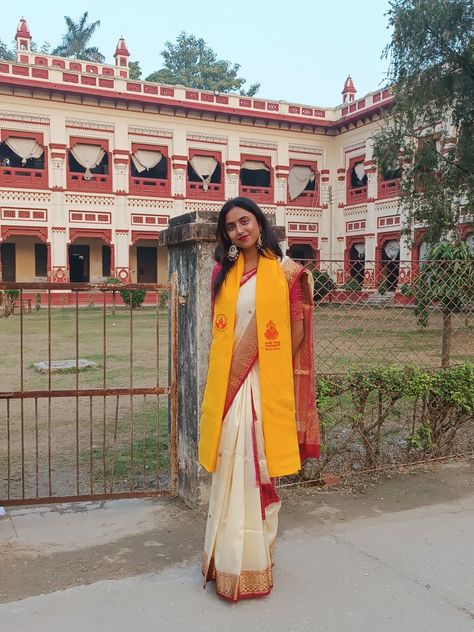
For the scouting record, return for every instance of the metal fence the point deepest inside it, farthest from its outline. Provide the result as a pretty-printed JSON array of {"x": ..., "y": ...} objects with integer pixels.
[
  {"x": 88, "y": 396},
  {"x": 371, "y": 313},
  {"x": 394, "y": 359}
]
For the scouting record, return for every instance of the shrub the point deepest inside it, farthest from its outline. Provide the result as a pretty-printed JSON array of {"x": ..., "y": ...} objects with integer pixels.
[
  {"x": 323, "y": 284},
  {"x": 352, "y": 285},
  {"x": 133, "y": 297}
]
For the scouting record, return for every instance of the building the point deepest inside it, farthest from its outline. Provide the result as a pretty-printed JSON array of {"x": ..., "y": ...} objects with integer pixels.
[{"x": 93, "y": 165}]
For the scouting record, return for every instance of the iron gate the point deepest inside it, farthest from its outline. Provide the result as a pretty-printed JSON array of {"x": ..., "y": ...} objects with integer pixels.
[{"x": 88, "y": 391}]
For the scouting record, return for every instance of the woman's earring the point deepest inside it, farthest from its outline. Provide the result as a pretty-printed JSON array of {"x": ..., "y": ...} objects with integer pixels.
[
  {"x": 260, "y": 247},
  {"x": 232, "y": 253}
]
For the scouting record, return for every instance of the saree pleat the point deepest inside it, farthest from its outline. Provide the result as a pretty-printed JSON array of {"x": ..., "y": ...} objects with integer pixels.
[{"x": 243, "y": 509}]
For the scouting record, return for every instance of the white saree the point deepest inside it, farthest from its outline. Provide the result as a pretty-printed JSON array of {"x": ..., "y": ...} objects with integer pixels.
[{"x": 243, "y": 509}]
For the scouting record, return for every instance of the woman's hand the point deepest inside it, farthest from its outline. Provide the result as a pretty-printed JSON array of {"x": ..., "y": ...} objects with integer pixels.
[{"x": 297, "y": 335}]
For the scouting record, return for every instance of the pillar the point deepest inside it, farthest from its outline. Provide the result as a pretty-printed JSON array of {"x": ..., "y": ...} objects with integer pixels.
[{"x": 190, "y": 239}]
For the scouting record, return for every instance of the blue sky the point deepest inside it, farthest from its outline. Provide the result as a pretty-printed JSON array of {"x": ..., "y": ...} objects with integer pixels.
[{"x": 299, "y": 52}]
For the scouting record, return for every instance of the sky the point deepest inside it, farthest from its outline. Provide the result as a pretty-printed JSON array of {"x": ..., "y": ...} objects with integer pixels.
[{"x": 299, "y": 52}]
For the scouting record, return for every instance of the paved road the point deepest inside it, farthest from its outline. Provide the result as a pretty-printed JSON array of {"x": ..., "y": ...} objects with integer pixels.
[{"x": 409, "y": 571}]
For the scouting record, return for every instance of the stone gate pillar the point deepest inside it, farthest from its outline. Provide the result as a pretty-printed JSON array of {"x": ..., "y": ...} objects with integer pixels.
[{"x": 190, "y": 239}]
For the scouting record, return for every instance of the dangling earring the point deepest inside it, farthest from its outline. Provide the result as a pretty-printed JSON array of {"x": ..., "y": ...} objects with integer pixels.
[
  {"x": 260, "y": 247},
  {"x": 232, "y": 253}
]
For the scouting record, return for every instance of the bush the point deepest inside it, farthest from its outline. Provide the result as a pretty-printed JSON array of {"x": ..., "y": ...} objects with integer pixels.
[
  {"x": 352, "y": 285},
  {"x": 130, "y": 297},
  {"x": 133, "y": 297},
  {"x": 323, "y": 284}
]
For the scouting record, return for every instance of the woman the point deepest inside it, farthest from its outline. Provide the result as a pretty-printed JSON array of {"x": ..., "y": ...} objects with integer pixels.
[{"x": 258, "y": 413}]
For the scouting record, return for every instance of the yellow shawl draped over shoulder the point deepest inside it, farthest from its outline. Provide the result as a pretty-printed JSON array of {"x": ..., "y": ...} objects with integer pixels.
[{"x": 275, "y": 368}]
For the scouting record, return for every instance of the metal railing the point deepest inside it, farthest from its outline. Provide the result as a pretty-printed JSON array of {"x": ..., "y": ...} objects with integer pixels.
[{"x": 103, "y": 423}]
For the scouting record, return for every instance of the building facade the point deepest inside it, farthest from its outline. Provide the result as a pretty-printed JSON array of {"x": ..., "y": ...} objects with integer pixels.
[{"x": 93, "y": 165}]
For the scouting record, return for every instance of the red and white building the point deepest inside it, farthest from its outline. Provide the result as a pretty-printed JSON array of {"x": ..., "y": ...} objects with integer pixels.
[{"x": 93, "y": 165}]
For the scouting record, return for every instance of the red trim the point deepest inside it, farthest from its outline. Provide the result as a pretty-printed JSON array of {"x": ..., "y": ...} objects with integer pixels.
[
  {"x": 340, "y": 124},
  {"x": 37, "y": 136},
  {"x": 76, "y": 140},
  {"x": 40, "y": 232},
  {"x": 137, "y": 235},
  {"x": 105, "y": 234}
]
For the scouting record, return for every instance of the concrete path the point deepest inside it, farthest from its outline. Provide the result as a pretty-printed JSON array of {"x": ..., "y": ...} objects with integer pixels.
[{"x": 410, "y": 570}]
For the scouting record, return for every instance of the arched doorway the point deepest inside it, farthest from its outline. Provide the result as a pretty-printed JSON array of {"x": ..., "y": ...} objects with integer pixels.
[{"x": 390, "y": 257}]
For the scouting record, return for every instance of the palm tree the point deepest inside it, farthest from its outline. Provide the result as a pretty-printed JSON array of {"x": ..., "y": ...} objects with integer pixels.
[{"x": 75, "y": 41}]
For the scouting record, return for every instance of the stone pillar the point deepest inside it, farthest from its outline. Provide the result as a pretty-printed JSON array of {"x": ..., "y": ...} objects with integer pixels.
[{"x": 190, "y": 239}]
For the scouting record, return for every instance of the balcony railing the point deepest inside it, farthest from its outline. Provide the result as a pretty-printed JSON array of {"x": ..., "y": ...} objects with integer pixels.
[
  {"x": 388, "y": 188},
  {"x": 306, "y": 198},
  {"x": 22, "y": 178},
  {"x": 98, "y": 182},
  {"x": 196, "y": 190},
  {"x": 154, "y": 187},
  {"x": 259, "y": 194},
  {"x": 356, "y": 196}
]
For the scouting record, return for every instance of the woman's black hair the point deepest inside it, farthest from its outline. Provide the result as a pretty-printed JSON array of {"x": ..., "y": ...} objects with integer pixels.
[{"x": 269, "y": 239}]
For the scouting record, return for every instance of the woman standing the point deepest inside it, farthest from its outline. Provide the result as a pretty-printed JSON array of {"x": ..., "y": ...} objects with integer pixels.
[{"x": 258, "y": 414}]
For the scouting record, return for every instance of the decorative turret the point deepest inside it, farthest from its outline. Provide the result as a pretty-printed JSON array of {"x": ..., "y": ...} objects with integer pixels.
[
  {"x": 121, "y": 54},
  {"x": 348, "y": 91},
  {"x": 23, "y": 37}
]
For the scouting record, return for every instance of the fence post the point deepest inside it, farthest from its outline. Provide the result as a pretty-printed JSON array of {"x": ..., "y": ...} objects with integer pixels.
[{"x": 190, "y": 239}]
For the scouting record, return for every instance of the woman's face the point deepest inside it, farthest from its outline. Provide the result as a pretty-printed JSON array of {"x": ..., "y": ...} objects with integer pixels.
[{"x": 242, "y": 228}]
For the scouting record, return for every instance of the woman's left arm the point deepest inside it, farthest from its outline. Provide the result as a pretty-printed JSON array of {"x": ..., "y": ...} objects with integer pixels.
[{"x": 297, "y": 323}]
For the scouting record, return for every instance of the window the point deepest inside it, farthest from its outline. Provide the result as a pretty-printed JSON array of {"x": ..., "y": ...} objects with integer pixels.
[
  {"x": 22, "y": 160},
  {"x": 356, "y": 181},
  {"x": 388, "y": 182},
  {"x": 41, "y": 260},
  {"x": 303, "y": 189},
  {"x": 149, "y": 171},
  {"x": 256, "y": 178},
  {"x": 88, "y": 165},
  {"x": 204, "y": 177}
]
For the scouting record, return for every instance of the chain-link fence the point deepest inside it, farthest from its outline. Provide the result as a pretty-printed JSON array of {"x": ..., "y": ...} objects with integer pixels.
[{"x": 394, "y": 358}]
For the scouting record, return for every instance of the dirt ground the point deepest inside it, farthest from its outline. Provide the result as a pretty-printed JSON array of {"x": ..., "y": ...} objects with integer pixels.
[{"x": 173, "y": 533}]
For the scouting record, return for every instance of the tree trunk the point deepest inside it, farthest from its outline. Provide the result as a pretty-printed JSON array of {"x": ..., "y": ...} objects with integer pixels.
[{"x": 446, "y": 349}]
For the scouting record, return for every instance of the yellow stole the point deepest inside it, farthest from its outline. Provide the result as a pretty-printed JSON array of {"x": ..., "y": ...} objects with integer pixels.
[{"x": 275, "y": 367}]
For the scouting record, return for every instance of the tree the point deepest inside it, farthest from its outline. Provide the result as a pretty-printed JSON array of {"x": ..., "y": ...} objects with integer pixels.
[
  {"x": 429, "y": 130},
  {"x": 135, "y": 72},
  {"x": 76, "y": 39},
  {"x": 6, "y": 53},
  {"x": 190, "y": 62},
  {"x": 446, "y": 279}
]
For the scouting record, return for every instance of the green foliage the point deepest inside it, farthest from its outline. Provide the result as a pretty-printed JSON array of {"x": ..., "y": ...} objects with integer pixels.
[
  {"x": 427, "y": 408},
  {"x": 323, "y": 284},
  {"x": 12, "y": 295},
  {"x": 446, "y": 278},
  {"x": 6, "y": 52},
  {"x": 133, "y": 297},
  {"x": 429, "y": 130},
  {"x": 352, "y": 285},
  {"x": 135, "y": 72},
  {"x": 75, "y": 41},
  {"x": 192, "y": 63}
]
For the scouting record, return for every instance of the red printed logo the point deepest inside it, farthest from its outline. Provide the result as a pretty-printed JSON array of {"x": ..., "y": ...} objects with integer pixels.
[
  {"x": 220, "y": 322},
  {"x": 271, "y": 332}
]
